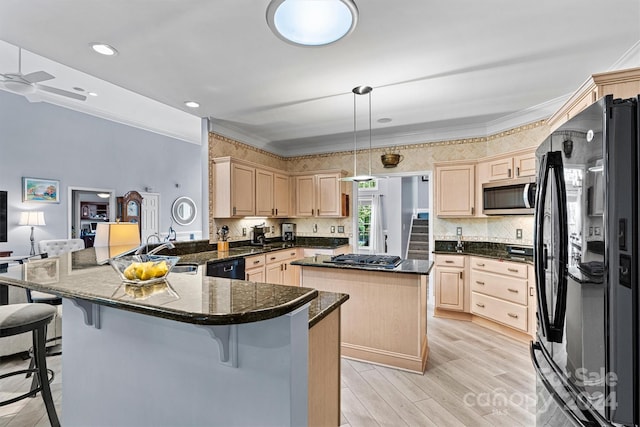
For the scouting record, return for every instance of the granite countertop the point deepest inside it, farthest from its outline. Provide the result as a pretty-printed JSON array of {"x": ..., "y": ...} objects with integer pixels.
[
  {"x": 483, "y": 249},
  {"x": 322, "y": 305},
  {"x": 203, "y": 252},
  {"x": 407, "y": 266},
  {"x": 190, "y": 298}
]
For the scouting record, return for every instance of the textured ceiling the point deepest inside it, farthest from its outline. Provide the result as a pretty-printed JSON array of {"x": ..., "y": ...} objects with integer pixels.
[{"x": 437, "y": 68}]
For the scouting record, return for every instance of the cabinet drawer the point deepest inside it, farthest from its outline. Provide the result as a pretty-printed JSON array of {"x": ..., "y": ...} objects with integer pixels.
[
  {"x": 505, "y": 312},
  {"x": 507, "y": 288},
  {"x": 450, "y": 260},
  {"x": 279, "y": 256},
  {"x": 514, "y": 269},
  {"x": 254, "y": 261}
]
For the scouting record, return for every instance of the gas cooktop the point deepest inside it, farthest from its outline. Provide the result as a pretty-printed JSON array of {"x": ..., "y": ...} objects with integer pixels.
[{"x": 381, "y": 261}]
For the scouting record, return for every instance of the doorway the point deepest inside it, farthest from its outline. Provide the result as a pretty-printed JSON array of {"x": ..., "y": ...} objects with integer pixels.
[
  {"x": 149, "y": 216},
  {"x": 77, "y": 220},
  {"x": 385, "y": 211}
]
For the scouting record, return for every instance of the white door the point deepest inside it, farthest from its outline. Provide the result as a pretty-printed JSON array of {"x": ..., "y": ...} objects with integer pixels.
[{"x": 149, "y": 222}]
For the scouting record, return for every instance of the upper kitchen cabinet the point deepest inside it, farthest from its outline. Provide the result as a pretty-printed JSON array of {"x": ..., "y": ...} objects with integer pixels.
[
  {"x": 455, "y": 190},
  {"x": 243, "y": 188},
  {"x": 273, "y": 197},
  {"x": 620, "y": 84},
  {"x": 516, "y": 166},
  {"x": 234, "y": 185},
  {"x": 320, "y": 195}
]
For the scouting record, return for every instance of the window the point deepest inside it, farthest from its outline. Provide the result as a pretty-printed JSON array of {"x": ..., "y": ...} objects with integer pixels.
[
  {"x": 364, "y": 222},
  {"x": 368, "y": 185}
]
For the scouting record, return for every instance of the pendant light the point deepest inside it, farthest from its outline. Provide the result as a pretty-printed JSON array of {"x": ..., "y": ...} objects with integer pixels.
[{"x": 360, "y": 90}]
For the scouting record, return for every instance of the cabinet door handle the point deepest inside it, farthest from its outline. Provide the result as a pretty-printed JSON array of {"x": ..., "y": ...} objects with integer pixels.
[
  {"x": 508, "y": 173},
  {"x": 272, "y": 211},
  {"x": 480, "y": 264},
  {"x": 272, "y": 258},
  {"x": 531, "y": 291},
  {"x": 515, "y": 316},
  {"x": 472, "y": 210},
  {"x": 518, "y": 171},
  {"x": 285, "y": 267},
  {"x": 515, "y": 291},
  {"x": 461, "y": 275},
  {"x": 276, "y": 211},
  {"x": 292, "y": 254},
  {"x": 256, "y": 262},
  {"x": 479, "y": 282},
  {"x": 513, "y": 270},
  {"x": 234, "y": 210},
  {"x": 448, "y": 261},
  {"x": 480, "y": 305}
]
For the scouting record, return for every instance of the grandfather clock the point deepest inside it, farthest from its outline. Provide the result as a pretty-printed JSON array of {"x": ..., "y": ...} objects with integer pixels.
[{"x": 129, "y": 208}]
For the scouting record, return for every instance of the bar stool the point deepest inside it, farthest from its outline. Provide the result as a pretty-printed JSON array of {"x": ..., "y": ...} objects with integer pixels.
[{"x": 19, "y": 318}]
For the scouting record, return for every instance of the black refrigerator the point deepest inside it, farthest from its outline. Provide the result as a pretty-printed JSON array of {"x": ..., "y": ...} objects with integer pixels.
[{"x": 586, "y": 264}]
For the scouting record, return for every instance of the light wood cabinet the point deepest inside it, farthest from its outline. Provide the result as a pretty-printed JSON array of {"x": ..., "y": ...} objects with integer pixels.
[
  {"x": 254, "y": 268},
  {"x": 278, "y": 268},
  {"x": 512, "y": 167},
  {"x": 242, "y": 188},
  {"x": 449, "y": 282},
  {"x": 319, "y": 195},
  {"x": 455, "y": 190},
  {"x": 281, "y": 195},
  {"x": 233, "y": 188},
  {"x": 264, "y": 193},
  {"x": 619, "y": 83},
  {"x": 500, "y": 292}
]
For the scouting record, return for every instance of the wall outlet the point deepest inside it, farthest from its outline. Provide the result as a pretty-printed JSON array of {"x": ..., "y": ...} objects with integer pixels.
[
  {"x": 341, "y": 229},
  {"x": 272, "y": 228},
  {"x": 333, "y": 228},
  {"x": 458, "y": 231},
  {"x": 244, "y": 231},
  {"x": 518, "y": 233}
]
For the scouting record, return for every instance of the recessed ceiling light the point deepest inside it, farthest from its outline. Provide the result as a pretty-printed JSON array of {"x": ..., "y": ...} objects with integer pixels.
[
  {"x": 104, "y": 49},
  {"x": 92, "y": 93},
  {"x": 191, "y": 104},
  {"x": 311, "y": 22},
  {"x": 384, "y": 120}
]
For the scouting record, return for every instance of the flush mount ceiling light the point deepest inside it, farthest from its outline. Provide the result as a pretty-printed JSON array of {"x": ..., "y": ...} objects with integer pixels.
[
  {"x": 360, "y": 90},
  {"x": 191, "y": 104},
  {"x": 311, "y": 22},
  {"x": 103, "y": 195},
  {"x": 104, "y": 49}
]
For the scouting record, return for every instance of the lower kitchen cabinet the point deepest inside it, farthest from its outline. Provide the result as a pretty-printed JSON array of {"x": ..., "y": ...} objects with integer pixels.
[
  {"x": 254, "y": 268},
  {"x": 450, "y": 282},
  {"x": 278, "y": 269},
  {"x": 497, "y": 294}
]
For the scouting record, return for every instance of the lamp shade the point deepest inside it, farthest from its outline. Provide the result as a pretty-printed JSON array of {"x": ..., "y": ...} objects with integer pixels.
[
  {"x": 32, "y": 218},
  {"x": 115, "y": 238}
]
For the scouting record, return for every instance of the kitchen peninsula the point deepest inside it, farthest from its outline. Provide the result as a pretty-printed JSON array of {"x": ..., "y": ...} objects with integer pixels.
[
  {"x": 385, "y": 321},
  {"x": 192, "y": 350}
]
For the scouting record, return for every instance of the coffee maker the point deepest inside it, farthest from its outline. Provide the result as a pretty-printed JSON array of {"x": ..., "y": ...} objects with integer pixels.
[{"x": 288, "y": 232}]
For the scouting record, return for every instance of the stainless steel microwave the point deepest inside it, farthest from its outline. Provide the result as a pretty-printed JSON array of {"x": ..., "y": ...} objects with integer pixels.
[{"x": 510, "y": 197}]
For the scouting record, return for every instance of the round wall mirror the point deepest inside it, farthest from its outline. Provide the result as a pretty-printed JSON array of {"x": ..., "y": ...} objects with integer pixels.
[{"x": 183, "y": 210}]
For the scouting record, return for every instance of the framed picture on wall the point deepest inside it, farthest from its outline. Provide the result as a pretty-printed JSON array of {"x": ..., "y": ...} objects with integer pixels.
[{"x": 40, "y": 190}]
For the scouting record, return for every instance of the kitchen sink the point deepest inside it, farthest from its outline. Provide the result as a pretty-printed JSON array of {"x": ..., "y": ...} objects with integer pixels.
[{"x": 185, "y": 268}]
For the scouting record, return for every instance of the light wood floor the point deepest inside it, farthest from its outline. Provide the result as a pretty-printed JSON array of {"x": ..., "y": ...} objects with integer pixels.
[{"x": 475, "y": 377}]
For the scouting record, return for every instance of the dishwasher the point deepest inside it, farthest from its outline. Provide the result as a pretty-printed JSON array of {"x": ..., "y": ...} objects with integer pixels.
[{"x": 228, "y": 268}]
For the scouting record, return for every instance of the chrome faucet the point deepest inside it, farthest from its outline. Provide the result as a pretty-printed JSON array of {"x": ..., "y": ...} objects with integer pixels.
[
  {"x": 459, "y": 245},
  {"x": 163, "y": 245}
]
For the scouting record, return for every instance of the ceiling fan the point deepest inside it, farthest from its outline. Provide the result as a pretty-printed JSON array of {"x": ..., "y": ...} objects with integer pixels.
[{"x": 29, "y": 84}]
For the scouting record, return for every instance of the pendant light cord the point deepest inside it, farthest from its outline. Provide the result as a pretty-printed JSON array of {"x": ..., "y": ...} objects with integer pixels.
[
  {"x": 355, "y": 138},
  {"x": 370, "y": 132}
]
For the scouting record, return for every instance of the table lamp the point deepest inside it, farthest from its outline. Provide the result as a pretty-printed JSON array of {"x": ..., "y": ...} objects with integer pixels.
[
  {"x": 115, "y": 238},
  {"x": 32, "y": 218}
]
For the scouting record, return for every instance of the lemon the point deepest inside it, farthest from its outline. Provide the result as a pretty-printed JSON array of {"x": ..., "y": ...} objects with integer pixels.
[
  {"x": 160, "y": 269},
  {"x": 130, "y": 271}
]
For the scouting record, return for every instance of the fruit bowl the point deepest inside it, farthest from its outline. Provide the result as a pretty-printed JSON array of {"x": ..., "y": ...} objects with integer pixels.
[{"x": 143, "y": 269}]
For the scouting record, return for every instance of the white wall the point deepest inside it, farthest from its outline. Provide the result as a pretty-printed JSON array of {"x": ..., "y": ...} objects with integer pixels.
[{"x": 41, "y": 140}]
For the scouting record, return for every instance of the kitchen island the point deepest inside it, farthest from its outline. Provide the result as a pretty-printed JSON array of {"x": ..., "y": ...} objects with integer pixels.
[
  {"x": 385, "y": 321},
  {"x": 191, "y": 350}
]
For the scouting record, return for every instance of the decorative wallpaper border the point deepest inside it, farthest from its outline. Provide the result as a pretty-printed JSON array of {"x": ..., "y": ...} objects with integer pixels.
[{"x": 509, "y": 132}]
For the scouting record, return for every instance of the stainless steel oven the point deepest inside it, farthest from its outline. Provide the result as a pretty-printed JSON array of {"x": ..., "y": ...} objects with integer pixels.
[{"x": 512, "y": 197}]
